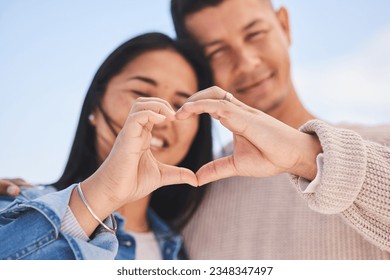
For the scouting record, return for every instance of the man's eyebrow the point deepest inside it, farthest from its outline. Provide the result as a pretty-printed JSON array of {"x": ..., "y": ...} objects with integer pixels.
[
  {"x": 144, "y": 79},
  {"x": 246, "y": 27},
  {"x": 251, "y": 24}
]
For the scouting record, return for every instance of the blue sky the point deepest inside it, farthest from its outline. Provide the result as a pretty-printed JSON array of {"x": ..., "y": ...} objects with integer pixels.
[{"x": 50, "y": 50}]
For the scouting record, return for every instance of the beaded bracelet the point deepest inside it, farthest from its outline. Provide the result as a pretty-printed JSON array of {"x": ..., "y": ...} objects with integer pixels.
[{"x": 112, "y": 230}]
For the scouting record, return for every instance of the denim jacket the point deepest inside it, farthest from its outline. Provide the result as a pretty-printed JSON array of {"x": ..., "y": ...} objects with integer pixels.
[{"x": 30, "y": 228}]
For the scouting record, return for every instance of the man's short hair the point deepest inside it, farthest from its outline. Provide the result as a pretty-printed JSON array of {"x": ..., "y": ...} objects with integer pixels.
[{"x": 182, "y": 8}]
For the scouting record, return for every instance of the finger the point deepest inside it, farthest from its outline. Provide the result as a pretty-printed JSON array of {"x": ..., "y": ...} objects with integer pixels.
[
  {"x": 155, "y": 99},
  {"x": 20, "y": 182},
  {"x": 216, "y": 170},
  {"x": 139, "y": 121},
  {"x": 216, "y": 108},
  {"x": 156, "y": 106},
  {"x": 236, "y": 119},
  {"x": 171, "y": 175},
  {"x": 214, "y": 92},
  {"x": 8, "y": 188},
  {"x": 137, "y": 131}
]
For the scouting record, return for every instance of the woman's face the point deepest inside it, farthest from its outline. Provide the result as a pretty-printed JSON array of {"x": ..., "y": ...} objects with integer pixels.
[{"x": 159, "y": 73}]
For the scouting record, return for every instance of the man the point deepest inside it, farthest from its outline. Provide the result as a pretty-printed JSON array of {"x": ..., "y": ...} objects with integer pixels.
[{"x": 246, "y": 43}]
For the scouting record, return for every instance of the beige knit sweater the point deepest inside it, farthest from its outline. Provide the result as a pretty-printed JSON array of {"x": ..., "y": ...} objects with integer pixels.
[{"x": 348, "y": 216}]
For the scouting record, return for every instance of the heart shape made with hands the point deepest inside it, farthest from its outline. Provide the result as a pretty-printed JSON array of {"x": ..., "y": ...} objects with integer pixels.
[
  {"x": 193, "y": 177},
  {"x": 220, "y": 105},
  {"x": 253, "y": 154},
  {"x": 215, "y": 169}
]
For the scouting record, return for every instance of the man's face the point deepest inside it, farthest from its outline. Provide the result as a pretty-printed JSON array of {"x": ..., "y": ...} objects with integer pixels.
[{"x": 247, "y": 43}]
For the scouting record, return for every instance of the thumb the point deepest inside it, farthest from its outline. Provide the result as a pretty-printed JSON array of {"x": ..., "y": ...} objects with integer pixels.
[
  {"x": 217, "y": 169},
  {"x": 171, "y": 175}
]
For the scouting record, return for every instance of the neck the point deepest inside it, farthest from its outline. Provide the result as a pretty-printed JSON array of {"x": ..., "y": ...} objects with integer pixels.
[
  {"x": 291, "y": 110},
  {"x": 135, "y": 214}
]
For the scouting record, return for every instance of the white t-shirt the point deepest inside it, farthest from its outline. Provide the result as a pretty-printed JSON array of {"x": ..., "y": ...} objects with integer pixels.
[{"x": 146, "y": 246}]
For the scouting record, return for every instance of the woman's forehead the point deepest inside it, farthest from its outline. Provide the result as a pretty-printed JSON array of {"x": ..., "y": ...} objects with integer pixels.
[{"x": 163, "y": 67}]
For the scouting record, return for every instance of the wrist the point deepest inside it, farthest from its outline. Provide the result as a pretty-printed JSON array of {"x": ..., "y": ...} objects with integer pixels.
[
  {"x": 96, "y": 201},
  {"x": 99, "y": 194},
  {"x": 306, "y": 166}
]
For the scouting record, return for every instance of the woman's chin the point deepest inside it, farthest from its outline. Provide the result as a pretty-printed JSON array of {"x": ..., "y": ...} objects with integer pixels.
[{"x": 166, "y": 156}]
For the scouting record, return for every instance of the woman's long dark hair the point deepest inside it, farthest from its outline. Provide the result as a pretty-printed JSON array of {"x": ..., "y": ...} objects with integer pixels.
[{"x": 175, "y": 204}]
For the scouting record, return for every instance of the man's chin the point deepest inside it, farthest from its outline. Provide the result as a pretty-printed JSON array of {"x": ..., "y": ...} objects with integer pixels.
[
  {"x": 256, "y": 100},
  {"x": 272, "y": 105},
  {"x": 266, "y": 105}
]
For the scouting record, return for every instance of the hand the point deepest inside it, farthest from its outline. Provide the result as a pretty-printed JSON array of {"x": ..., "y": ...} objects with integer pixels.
[
  {"x": 12, "y": 186},
  {"x": 131, "y": 172},
  {"x": 263, "y": 146}
]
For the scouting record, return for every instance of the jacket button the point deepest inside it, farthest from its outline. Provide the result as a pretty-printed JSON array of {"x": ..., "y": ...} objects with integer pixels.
[{"x": 128, "y": 243}]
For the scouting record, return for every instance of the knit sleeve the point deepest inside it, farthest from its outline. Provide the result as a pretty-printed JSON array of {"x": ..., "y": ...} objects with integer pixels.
[{"x": 355, "y": 181}]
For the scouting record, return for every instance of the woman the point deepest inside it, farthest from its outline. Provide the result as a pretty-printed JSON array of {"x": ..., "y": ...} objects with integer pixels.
[{"x": 138, "y": 76}]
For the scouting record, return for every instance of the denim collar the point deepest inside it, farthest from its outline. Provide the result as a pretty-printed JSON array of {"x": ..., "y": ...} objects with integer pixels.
[{"x": 170, "y": 242}]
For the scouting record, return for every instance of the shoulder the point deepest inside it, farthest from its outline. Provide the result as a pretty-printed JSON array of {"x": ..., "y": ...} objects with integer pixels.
[
  {"x": 376, "y": 133},
  {"x": 36, "y": 191},
  {"x": 25, "y": 195}
]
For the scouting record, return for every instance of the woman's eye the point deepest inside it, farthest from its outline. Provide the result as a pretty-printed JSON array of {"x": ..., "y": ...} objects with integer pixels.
[
  {"x": 216, "y": 53},
  {"x": 140, "y": 93},
  {"x": 177, "y": 106}
]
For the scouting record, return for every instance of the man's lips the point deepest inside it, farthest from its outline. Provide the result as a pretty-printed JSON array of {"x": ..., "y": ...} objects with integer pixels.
[{"x": 245, "y": 88}]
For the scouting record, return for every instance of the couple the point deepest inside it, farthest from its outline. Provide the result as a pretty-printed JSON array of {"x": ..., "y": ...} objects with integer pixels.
[{"x": 336, "y": 172}]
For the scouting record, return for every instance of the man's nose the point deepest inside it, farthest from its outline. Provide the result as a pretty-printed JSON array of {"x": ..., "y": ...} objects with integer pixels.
[{"x": 247, "y": 60}]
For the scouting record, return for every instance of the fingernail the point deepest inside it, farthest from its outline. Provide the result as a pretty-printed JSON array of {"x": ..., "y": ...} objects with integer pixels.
[{"x": 12, "y": 190}]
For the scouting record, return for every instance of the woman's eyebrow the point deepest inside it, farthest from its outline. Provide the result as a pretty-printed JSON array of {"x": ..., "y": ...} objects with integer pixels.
[
  {"x": 183, "y": 94},
  {"x": 144, "y": 79}
]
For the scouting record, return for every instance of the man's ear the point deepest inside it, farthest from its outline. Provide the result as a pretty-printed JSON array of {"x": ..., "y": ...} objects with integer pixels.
[{"x": 284, "y": 21}]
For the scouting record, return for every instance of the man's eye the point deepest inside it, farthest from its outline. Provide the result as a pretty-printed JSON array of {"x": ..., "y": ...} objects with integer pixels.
[
  {"x": 255, "y": 35},
  {"x": 140, "y": 93}
]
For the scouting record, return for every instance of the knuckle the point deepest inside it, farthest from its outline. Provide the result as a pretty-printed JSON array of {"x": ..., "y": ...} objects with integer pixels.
[{"x": 217, "y": 90}]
